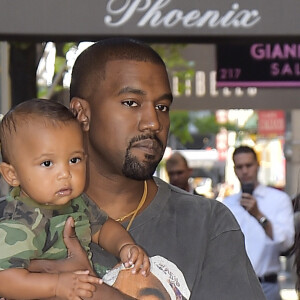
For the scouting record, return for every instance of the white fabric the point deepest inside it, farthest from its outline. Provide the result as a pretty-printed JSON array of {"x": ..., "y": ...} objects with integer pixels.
[
  {"x": 167, "y": 272},
  {"x": 263, "y": 251}
]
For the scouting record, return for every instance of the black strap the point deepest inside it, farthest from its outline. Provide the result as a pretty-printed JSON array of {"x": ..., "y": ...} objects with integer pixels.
[{"x": 271, "y": 278}]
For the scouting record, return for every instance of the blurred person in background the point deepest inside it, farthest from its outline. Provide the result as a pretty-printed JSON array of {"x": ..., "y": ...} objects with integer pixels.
[
  {"x": 179, "y": 172},
  {"x": 296, "y": 248},
  {"x": 265, "y": 215}
]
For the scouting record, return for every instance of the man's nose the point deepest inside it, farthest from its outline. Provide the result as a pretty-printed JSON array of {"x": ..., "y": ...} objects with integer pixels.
[{"x": 149, "y": 120}]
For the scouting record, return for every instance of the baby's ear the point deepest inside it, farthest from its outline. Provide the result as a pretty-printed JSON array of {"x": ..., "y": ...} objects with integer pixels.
[{"x": 9, "y": 174}]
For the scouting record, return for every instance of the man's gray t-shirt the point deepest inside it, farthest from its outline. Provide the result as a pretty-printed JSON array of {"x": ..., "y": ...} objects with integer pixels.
[{"x": 201, "y": 237}]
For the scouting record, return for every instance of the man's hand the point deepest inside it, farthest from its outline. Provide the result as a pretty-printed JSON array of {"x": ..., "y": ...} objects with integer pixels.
[
  {"x": 77, "y": 257},
  {"x": 250, "y": 204}
]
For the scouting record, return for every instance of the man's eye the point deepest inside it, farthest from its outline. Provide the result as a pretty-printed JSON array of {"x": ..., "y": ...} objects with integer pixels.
[
  {"x": 75, "y": 160},
  {"x": 46, "y": 163},
  {"x": 130, "y": 103},
  {"x": 162, "y": 108}
]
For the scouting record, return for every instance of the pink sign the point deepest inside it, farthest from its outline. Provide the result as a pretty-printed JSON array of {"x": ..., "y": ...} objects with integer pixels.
[{"x": 271, "y": 122}]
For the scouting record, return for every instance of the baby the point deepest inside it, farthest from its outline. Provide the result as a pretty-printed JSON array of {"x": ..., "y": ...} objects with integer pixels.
[{"x": 44, "y": 161}]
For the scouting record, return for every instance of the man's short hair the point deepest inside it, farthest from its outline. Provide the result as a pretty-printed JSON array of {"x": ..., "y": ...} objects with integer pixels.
[
  {"x": 244, "y": 149},
  {"x": 90, "y": 64}
]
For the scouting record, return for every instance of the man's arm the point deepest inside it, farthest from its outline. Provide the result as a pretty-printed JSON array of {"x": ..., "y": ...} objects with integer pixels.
[{"x": 250, "y": 204}]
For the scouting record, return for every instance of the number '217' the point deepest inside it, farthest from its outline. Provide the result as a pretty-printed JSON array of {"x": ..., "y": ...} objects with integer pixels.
[{"x": 230, "y": 73}]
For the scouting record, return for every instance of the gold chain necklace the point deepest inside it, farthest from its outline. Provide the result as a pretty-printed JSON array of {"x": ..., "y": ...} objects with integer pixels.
[{"x": 134, "y": 212}]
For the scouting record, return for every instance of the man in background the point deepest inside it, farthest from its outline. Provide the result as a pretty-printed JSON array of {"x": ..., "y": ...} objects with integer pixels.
[
  {"x": 179, "y": 171},
  {"x": 266, "y": 218}
]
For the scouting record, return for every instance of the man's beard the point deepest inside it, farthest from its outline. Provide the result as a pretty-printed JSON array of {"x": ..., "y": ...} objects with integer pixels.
[{"x": 134, "y": 169}]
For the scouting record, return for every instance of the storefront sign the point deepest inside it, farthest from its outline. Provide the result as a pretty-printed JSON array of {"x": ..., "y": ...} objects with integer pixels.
[
  {"x": 155, "y": 19},
  {"x": 258, "y": 65},
  {"x": 201, "y": 90},
  {"x": 271, "y": 122},
  {"x": 159, "y": 13},
  {"x": 222, "y": 144}
]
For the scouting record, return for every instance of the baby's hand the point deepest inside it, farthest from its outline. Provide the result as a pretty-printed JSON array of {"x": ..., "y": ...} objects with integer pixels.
[
  {"x": 133, "y": 255},
  {"x": 77, "y": 285}
]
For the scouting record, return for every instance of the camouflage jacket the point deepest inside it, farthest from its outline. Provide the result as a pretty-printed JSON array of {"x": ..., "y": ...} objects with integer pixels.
[{"x": 29, "y": 230}]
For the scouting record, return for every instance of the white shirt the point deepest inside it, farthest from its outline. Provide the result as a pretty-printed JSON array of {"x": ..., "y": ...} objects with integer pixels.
[{"x": 263, "y": 251}]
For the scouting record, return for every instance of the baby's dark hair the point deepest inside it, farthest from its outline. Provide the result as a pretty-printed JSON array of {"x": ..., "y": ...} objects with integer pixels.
[
  {"x": 90, "y": 64},
  {"x": 49, "y": 110}
]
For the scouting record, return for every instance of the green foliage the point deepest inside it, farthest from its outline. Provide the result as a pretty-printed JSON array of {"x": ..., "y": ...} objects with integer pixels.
[
  {"x": 251, "y": 124},
  {"x": 60, "y": 63},
  {"x": 209, "y": 125},
  {"x": 181, "y": 121},
  {"x": 68, "y": 46},
  {"x": 231, "y": 127},
  {"x": 60, "y": 59},
  {"x": 175, "y": 62},
  {"x": 179, "y": 127},
  {"x": 42, "y": 91},
  {"x": 171, "y": 55}
]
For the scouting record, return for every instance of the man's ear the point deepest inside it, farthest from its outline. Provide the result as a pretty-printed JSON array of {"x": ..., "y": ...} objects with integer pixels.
[
  {"x": 81, "y": 109},
  {"x": 9, "y": 174}
]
